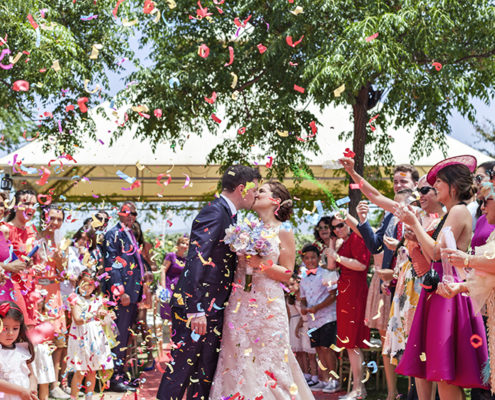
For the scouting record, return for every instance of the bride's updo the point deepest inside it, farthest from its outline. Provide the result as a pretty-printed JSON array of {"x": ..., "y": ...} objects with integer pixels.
[{"x": 279, "y": 191}]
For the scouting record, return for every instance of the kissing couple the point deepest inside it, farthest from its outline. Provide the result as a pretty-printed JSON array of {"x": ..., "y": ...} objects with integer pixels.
[{"x": 229, "y": 341}]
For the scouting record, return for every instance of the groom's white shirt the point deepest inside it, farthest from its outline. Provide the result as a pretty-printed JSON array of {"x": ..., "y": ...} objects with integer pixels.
[{"x": 233, "y": 210}]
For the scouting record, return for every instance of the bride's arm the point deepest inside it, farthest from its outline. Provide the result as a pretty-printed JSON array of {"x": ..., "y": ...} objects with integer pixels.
[{"x": 286, "y": 261}]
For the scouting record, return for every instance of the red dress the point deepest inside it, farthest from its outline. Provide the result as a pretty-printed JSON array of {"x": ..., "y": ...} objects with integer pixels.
[{"x": 352, "y": 292}]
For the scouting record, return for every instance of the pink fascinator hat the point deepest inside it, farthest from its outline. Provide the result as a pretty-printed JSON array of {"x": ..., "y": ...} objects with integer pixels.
[{"x": 467, "y": 160}]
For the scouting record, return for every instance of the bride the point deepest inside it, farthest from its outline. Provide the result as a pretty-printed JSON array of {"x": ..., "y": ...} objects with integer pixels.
[{"x": 256, "y": 361}]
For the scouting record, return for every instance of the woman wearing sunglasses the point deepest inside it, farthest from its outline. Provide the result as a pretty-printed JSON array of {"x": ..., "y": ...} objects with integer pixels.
[
  {"x": 447, "y": 341},
  {"x": 410, "y": 268},
  {"x": 482, "y": 229},
  {"x": 353, "y": 259}
]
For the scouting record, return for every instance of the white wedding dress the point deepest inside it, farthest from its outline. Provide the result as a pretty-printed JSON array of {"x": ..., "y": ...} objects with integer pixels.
[{"x": 256, "y": 360}]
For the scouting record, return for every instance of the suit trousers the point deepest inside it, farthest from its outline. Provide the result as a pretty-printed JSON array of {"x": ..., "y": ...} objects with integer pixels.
[
  {"x": 194, "y": 361},
  {"x": 126, "y": 318}
]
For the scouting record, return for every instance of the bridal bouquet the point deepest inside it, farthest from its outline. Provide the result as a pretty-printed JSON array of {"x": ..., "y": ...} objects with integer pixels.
[{"x": 250, "y": 237}]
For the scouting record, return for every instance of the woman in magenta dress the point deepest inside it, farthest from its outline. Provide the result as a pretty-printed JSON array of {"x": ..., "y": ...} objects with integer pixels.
[
  {"x": 353, "y": 259},
  {"x": 173, "y": 265},
  {"x": 440, "y": 347}
]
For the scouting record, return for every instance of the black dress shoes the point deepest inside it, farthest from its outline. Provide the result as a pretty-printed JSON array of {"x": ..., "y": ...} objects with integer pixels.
[{"x": 120, "y": 387}]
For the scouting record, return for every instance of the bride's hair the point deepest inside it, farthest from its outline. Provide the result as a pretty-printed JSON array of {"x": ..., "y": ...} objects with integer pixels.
[{"x": 279, "y": 191}]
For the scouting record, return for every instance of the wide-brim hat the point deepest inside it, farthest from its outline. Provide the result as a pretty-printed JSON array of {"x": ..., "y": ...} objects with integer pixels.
[{"x": 467, "y": 160}]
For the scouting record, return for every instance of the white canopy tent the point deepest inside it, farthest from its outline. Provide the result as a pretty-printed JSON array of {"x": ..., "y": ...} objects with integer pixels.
[{"x": 94, "y": 174}]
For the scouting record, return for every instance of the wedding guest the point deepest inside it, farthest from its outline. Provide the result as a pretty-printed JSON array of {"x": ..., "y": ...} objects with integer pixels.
[
  {"x": 8, "y": 266},
  {"x": 48, "y": 280},
  {"x": 482, "y": 229},
  {"x": 22, "y": 236},
  {"x": 353, "y": 259},
  {"x": 439, "y": 345},
  {"x": 404, "y": 177},
  {"x": 318, "y": 295},
  {"x": 173, "y": 264},
  {"x": 125, "y": 283}
]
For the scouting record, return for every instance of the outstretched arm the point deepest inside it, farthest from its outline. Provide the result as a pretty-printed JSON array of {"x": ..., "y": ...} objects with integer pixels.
[{"x": 369, "y": 191}]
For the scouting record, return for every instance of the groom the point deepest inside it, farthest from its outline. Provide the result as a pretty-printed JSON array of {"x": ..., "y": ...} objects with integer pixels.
[{"x": 203, "y": 289}]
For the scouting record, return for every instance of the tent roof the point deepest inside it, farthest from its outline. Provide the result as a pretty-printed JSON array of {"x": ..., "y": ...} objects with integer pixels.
[{"x": 99, "y": 162}]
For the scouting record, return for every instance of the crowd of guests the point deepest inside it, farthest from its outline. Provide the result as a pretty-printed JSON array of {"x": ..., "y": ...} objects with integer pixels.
[
  {"x": 432, "y": 257},
  {"x": 69, "y": 308}
]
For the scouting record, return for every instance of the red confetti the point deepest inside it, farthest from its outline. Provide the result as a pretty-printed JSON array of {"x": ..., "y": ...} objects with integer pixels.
[
  {"x": 242, "y": 130},
  {"x": 44, "y": 199},
  {"x": 288, "y": 39},
  {"x": 158, "y": 113},
  {"x": 81, "y": 102},
  {"x": 372, "y": 37},
  {"x": 44, "y": 176},
  {"x": 437, "y": 66},
  {"x": 371, "y": 121},
  {"x": 215, "y": 118},
  {"x": 314, "y": 128},
  {"x": 476, "y": 341},
  {"x": 148, "y": 6},
  {"x": 349, "y": 153},
  {"x": 116, "y": 8},
  {"x": 261, "y": 48},
  {"x": 70, "y": 107},
  {"x": 203, "y": 51},
  {"x": 20, "y": 86},
  {"x": 32, "y": 21},
  {"x": 298, "y": 89},
  {"x": 241, "y": 24},
  {"x": 212, "y": 99},
  {"x": 269, "y": 162}
]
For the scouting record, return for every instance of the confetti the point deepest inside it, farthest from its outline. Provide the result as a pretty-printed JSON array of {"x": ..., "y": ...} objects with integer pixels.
[
  {"x": 349, "y": 153},
  {"x": 212, "y": 99},
  {"x": 81, "y": 103},
  {"x": 95, "y": 49},
  {"x": 234, "y": 80},
  {"x": 371, "y": 121},
  {"x": 116, "y": 8},
  {"x": 261, "y": 48},
  {"x": 437, "y": 66},
  {"x": 215, "y": 118},
  {"x": 288, "y": 40},
  {"x": 322, "y": 367},
  {"x": 298, "y": 89},
  {"x": 187, "y": 181},
  {"x": 231, "y": 54},
  {"x": 20, "y": 86},
  {"x": 32, "y": 22},
  {"x": 422, "y": 356},
  {"x": 298, "y": 10},
  {"x": 341, "y": 89},
  {"x": 372, "y": 37},
  {"x": 476, "y": 341},
  {"x": 269, "y": 162}
]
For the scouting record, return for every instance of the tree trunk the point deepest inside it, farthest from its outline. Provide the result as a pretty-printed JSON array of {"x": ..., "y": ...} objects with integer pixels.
[{"x": 360, "y": 112}]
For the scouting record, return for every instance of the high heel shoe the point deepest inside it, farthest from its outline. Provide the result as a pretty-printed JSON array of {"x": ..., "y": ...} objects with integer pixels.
[{"x": 354, "y": 395}]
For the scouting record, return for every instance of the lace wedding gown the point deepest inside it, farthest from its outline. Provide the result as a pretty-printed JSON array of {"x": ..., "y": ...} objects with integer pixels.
[{"x": 256, "y": 361}]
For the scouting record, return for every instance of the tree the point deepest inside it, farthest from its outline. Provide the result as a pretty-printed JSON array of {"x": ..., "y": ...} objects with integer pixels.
[
  {"x": 266, "y": 60},
  {"x": 486, "y": 134},
  {"x": 55, "y": 46}
]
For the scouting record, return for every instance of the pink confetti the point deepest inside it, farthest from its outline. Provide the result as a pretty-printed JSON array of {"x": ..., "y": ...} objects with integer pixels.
[
  {"x": 298, "y": 89},
  {"x": 437, "y": 65},
  {"x": 231, "y": 53},
  {"x": 288, "y": 39},
  {"x": 261, "y": 48},
  {"x": 203, "y": 51},
  {"x": 187, "y": 182},
  {"x": 215, "y": 118},
  {"x": 212, "y": 99},
  {"x": 372, "y": 37}
]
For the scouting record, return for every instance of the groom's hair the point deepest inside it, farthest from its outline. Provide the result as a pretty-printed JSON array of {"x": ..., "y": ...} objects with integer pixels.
[{"x": 236, "y": 175}]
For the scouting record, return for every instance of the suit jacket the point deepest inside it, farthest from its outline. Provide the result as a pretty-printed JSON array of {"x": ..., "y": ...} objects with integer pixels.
[
  {"x": 206, "y": 281},
  {"x": 124, "y": 270},
  {"x": 374, "y": 240}
]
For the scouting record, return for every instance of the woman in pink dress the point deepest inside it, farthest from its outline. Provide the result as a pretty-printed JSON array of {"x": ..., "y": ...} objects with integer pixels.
[
  {"x": 7, "y": 265},
  {"x": 440, "y": 347}
]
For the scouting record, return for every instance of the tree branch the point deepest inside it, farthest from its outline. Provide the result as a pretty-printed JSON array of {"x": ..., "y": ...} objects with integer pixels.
[{"x": 249, "y": 83}]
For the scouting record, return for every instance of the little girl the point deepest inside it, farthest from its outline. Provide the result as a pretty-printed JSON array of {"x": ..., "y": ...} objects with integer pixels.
[
  {"x": 17, "y": 381},
  {"x": 299, "y": 339},
  {"x": 88, "y": 350}
]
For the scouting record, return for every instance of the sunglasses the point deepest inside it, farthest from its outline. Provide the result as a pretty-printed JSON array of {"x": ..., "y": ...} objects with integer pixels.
[
  {"x": 322, "y": 228},
  {"x": 425, "y": 189},
  {"x": 338, "y": 226},
  {"x": 481, "y": 178}
]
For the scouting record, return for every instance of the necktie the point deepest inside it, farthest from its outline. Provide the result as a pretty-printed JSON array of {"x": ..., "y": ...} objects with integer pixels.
[{"x": 136, "y": 251}]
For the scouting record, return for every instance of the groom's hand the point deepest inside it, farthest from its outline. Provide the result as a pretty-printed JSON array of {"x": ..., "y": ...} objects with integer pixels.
[{"x": 198, "y": 325}]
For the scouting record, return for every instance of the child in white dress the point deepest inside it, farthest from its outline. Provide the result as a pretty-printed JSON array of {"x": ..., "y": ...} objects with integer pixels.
[
  {"x": 17, "y": 381},
  {"x": 299, "y": 340},
  {"x": 88, "y": 349}
]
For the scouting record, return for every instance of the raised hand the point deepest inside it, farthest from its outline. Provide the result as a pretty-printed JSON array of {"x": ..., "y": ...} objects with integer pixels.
[{"x": 362, "y": 210}]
